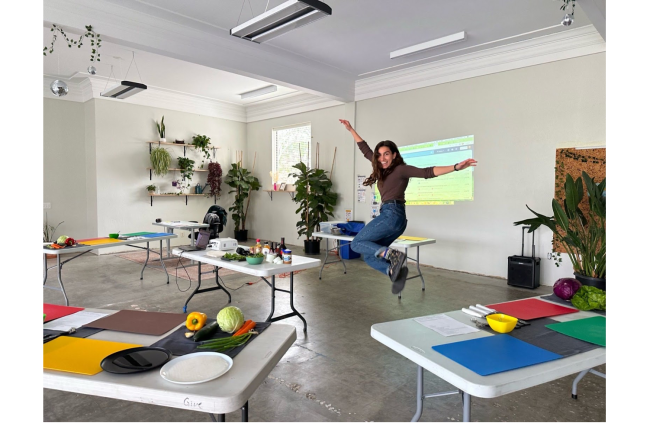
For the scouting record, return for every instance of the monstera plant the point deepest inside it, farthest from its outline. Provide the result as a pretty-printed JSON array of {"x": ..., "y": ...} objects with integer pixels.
[
  {"x": 316, "y": 199},
  {"x": 242, "y": 183}
]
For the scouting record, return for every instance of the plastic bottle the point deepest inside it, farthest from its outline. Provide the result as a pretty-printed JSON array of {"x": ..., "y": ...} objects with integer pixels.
[
  {"x": 258, "y": 247},
  {"x": 266, "y": 248}
]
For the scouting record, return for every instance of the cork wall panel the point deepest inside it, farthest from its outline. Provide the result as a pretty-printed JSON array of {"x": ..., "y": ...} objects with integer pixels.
[{"x": 573, "y": 162}]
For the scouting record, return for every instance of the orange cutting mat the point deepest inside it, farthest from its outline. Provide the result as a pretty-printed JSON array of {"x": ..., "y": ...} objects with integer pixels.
[
  {"x": 98, "y": 241},
  {"x": 79, "y": 355}
]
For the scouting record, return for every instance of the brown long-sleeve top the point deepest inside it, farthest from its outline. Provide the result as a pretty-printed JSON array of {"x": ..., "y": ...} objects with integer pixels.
[{"x": 395, "y": 184}]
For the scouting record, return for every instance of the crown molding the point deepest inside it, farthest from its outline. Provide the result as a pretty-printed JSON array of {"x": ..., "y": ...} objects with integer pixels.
[
  {"x": 564, "y": 45},
  {"x": 289, "y": 104}
]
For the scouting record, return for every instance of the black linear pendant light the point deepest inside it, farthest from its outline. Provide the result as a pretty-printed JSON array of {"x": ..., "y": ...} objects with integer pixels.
[{"x": 281, "y": 19}]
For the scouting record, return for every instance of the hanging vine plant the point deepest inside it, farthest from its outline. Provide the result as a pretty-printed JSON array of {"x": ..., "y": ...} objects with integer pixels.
[
  {"x": 95, "y": 41},
  {"x": 202, "y": 142},
  {"x": 214, "y": 179},
  {"x": 187, "y": 167},
  {"x": 160, "y": 161}
]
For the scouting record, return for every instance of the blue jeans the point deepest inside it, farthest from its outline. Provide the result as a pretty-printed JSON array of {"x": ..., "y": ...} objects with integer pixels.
[{"x": 379, "y": 234}]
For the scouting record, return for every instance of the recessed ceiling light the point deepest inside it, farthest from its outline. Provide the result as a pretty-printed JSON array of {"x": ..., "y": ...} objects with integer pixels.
[
  {"x": 438, "y": 42},
  {"x": 261, "y": 91},
  {"x": 281, "y": 19}
]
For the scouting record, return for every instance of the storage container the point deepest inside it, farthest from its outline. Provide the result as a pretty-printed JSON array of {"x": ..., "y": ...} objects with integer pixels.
[{"x": 346, "y": 252}]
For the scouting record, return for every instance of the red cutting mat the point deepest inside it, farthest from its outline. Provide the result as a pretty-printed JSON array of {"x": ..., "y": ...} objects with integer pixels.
[
  {"x": 53, "y": 311},
  {"x": 531, "y": 308}
]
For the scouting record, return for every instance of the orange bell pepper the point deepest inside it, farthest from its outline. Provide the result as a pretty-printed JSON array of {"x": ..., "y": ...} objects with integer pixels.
[{"x": 196, "y": 320}]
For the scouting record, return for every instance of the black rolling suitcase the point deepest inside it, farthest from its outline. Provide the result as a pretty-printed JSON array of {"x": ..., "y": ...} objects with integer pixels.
[{"x": 524, "y": 271}]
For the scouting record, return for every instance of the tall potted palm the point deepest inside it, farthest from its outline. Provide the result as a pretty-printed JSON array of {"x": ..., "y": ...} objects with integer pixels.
[
  {"x": 243, "y": 182},
  {"x": 316, "y": 199},
  {"x": 581, "y": 233}
]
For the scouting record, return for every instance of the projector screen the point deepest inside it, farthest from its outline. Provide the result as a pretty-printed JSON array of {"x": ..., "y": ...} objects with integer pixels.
[{"x": 445, "y": 190}]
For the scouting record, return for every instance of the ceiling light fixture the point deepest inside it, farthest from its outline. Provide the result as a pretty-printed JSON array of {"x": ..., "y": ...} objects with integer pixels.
[
  {"x": 126, "y": 88},
  {"x": 281, "y": 19},
  {"x": 261, "y": 91},
  {"x": 438, "y": 42}
]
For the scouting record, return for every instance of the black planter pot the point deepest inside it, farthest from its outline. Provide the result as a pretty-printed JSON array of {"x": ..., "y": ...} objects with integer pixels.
[
  {"x": 241, "y": 236},
  {"x": 312, "y": 247},
  {"x": 589, "y": 281}
]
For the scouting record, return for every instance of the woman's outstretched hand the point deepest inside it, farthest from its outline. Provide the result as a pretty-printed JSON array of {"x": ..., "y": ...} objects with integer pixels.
[
  {"x": 347, "y": 125},
  {"x": 466, "y": 163}
]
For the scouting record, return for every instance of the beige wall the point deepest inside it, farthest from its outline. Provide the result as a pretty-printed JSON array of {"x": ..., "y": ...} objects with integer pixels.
[
  {"x": 122, "y": 131},
  {"x": 518, "y": 119},
  {"x": 106, "y": 139},
  {"x": 64, "y": 166},
  {"x": 271, "y": 219}
]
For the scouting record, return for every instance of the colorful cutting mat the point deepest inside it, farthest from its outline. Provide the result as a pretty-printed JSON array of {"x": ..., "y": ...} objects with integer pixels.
[
  {"x": 591, "y": 329},
  {"x": 155, "y": 235},
  {"x": 137, "y": 234},
  {"x": 79, "y": 355},
  {"x": 53, "y": 311},
  {"x": 411, "y": 238},
  {"x": 98, "y": 241},
  {"x": 144, "y": 322},
  {"x": 531, "y": 308},
  {"x": 495, "y": 354}
]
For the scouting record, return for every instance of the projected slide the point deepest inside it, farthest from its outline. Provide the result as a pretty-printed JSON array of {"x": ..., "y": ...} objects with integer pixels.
[{"x": 444, "y": 190}]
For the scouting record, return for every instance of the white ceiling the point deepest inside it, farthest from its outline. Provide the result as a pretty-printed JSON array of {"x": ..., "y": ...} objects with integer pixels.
[{"x": 185, "y": 46}]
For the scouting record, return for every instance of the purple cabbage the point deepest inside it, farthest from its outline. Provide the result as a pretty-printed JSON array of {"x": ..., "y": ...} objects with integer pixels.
[{"x": 565, "y": 288}]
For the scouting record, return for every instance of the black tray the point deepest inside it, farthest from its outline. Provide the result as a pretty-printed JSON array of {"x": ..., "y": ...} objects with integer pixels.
[{"x": 136, "y": 360}]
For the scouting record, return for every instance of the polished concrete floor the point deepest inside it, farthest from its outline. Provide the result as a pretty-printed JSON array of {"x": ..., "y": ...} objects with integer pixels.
[{"x": 335, "y": 371}]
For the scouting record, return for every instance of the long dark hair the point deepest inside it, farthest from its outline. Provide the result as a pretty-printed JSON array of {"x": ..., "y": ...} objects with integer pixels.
[{"x": 379, "y": 174}]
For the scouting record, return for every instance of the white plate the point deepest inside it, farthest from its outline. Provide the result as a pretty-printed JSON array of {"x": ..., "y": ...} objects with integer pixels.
[{"x": 196, "y": 368}]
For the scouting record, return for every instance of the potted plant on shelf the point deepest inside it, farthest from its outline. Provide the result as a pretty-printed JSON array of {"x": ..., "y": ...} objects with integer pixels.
[
  {"x": 580, "y": 231},
  {"x": 161, "y": 130},
  {"x": 202, "y": 142},
  {"x": 243, "y": 182},
  {"x": 316, "y": 199},
  {"x": 160, "y": 161},
  {"x": 187, "y": 167},
  {"x": 151, "y": 189},
  {"x": 214, "y": 179}
]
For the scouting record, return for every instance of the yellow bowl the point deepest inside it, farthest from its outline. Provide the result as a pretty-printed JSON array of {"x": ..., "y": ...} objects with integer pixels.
[{"x": 501, "y": 323}]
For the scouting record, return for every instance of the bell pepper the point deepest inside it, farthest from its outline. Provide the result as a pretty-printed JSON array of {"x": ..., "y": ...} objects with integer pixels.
[{"x": 196, "y": 320}]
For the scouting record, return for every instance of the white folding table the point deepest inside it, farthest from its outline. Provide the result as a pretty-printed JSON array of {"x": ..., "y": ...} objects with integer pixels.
[
  {"x": 414, "y": 341},
  {"x": 263, "y": 271},
  {"x": 81, "y": 250},
  {"x": 399, "y": 243},
  {"x": 180, "y": 224},
  {"x": 225, "y": 394}
]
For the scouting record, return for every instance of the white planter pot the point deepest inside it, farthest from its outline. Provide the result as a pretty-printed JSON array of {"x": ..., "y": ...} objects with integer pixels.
[{"x": 162, "y": 139}]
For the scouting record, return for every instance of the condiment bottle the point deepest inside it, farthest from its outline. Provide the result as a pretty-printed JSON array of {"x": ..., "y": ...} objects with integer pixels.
[
  {"x": 282, "y": 246},
  {"x": 257, "y": 248},
  {"x": 266, "y": 248}
]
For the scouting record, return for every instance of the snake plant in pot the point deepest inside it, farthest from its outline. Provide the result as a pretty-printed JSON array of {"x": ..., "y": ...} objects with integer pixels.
[
  {"x": 581, "y": 231},
  {"x": 243, "y": 182},
  {"x": 316, "y": 199}
]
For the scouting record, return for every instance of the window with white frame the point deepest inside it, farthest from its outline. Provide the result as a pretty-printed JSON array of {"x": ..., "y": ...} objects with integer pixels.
[{"x": 290, "y": 145}]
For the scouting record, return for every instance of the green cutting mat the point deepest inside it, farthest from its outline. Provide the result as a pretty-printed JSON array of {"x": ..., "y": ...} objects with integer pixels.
[
  {"x": 591, "y": 329},
  {"x": 137, "y": 234}
]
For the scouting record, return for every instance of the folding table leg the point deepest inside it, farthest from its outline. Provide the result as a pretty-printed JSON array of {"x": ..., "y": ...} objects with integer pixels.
[
  {"x": 418, "y": 410},
  {"x": 244, "y": 412}
]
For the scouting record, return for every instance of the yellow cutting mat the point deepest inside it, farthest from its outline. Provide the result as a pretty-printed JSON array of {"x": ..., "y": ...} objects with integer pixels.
[
  {"x": 406, "y": 238},
  {"x": 99, "y": 241},
  {"x": 79, "y": 355}
]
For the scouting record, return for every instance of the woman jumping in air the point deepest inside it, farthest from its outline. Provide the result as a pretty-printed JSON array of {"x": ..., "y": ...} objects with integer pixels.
[{"x": 392, "y": 176}]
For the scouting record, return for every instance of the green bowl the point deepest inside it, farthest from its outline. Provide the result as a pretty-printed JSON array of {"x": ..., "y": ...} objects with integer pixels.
[
  {"x": 114, "y": 236},
  {"x": 254, "y": 260}
]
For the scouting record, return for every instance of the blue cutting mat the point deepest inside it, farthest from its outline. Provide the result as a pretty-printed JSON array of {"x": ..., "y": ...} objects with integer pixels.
[
  {"x": 155, "y": 235},
  {"x": 495, "y": 354}
]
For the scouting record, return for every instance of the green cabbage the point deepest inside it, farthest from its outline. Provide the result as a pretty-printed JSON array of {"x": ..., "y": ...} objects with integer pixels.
[
  {"x": 230, "y": 319},
  {"x": 589, "y": 298}
]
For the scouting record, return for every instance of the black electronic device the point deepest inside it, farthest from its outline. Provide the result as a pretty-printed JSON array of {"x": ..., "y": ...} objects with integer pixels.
[
  {"x": 523, "y": 271},
  {"x": 202, "y": 240}
]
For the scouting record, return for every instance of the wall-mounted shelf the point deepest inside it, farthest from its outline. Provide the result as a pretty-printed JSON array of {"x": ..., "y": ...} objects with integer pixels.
[
  {"x": 270, "y": 192},
  {"x": 185, "y": 146},
  {"x": 180, "y": 195},
  {"x": 150, "y": 169}
]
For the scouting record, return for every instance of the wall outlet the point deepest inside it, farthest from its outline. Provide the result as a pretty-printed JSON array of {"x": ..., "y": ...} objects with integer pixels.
[{"x": 47, "y": 205}]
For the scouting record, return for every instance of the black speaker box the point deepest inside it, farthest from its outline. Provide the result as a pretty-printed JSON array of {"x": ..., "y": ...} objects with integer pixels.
[{"x": 524, "y": 271}]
